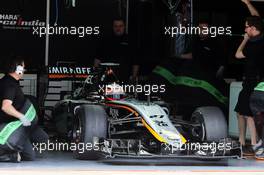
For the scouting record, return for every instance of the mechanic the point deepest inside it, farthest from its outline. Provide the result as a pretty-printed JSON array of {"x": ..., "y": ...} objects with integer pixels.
[
  {"x": 256, "y": 98},
  {"x": 12, "y": 100},
  {"x": 250, "y": 48},
  {"x": 116, "y": 48},
  {"x": 206, "y": 52}
]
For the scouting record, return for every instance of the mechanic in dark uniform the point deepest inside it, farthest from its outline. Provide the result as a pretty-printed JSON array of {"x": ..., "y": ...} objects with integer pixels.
[
  {"x": 206, "y": 52},
  {"x": 116, "y": 49},
  {"x": 250, "y": 48},
  {"x": 12, "y": 100},
  {"x": 257, "y": 98}
]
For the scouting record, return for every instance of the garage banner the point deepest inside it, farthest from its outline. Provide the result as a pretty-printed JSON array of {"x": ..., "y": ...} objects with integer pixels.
[
  {"x": 65, "y": 72},
  {"x": 191, "y": 82},
  {"x": 15, "y": 21}
]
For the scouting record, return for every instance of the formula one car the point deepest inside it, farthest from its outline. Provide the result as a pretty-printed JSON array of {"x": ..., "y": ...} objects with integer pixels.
[{"x": 110, "y": 123}]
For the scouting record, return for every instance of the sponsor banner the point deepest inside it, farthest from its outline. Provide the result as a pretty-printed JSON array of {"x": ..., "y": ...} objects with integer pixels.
[
  {"x": 56, "y": 72},
  {"x": 15, "y": 21}
]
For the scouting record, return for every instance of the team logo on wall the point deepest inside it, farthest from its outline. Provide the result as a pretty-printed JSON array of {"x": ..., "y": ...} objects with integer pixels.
[
  {"x": 11, "y": 21},
  {"x": 55, "y": 72}
]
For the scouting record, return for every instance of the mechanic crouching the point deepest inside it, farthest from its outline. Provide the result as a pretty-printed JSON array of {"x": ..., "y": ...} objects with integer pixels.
[{"x": 18, "y": 118}]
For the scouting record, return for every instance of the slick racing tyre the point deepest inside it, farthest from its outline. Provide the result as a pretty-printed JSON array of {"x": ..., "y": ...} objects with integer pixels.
[
  {"x": 212, "y": 121},
  {"x": 90, "y": 122}
]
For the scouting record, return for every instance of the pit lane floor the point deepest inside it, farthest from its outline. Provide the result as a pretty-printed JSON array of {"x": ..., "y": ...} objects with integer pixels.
[{"x": 64, "y": 163}]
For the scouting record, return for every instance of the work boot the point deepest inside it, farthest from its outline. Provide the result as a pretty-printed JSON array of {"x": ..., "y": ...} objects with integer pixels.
[{"x": 10, "y": 157}]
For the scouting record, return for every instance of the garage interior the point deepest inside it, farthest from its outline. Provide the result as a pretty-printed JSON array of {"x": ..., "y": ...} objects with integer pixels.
[{"x": 145, "y": 22}]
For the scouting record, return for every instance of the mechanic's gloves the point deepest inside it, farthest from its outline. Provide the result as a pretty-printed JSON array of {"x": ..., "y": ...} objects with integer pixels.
[{"x": 25, "y": 121}]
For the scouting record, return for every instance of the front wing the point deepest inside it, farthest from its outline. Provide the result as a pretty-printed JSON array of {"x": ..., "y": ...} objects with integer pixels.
[{"x": 129, "y": 148}]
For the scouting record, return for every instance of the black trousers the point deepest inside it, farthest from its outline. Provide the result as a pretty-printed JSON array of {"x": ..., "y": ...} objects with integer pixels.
[
  {"x": 36, "y": 135},
  {"x": 24, "y": 143},
  {"x": 243, "y": 102}
]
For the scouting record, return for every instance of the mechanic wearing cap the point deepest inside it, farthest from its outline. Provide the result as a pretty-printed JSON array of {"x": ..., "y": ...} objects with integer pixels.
[
  {"x": 116, "y": 48},
  {"x": 12, "y": 100},
  {"x": 250, "y": 48}
]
